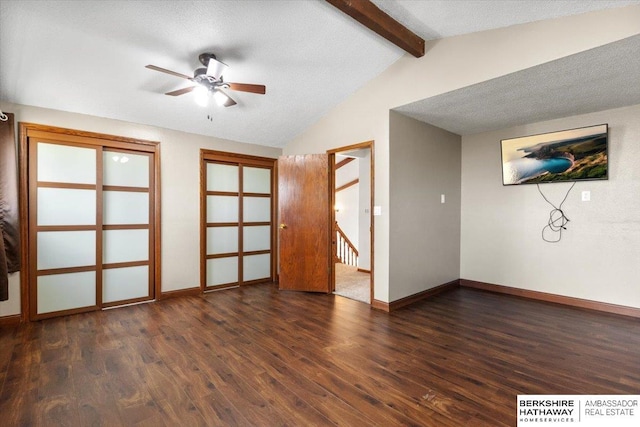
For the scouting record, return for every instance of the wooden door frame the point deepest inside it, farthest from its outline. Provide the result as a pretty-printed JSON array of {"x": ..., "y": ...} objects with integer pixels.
[
  {"x": 72, "y": 136},
  {"x": 332, "y": 196}
]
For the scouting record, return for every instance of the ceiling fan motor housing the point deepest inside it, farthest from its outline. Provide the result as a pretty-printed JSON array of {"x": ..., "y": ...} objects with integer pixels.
[
  {"x": 205, "y": 57},
  {"x": 202, "y": 71},
  {"x": 201, "y": 77}
]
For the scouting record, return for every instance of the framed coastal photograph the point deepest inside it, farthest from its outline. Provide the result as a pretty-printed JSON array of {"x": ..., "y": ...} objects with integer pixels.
[{"x": 567, "y": 155}]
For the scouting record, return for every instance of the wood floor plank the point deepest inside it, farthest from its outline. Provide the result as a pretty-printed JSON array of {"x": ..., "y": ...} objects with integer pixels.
[
  {"x": 57, "y": 410},
  {"x": 401, "y": 403},
  {"x": 256, "y": 356},
  {"x": 177, "y": 406},
  {"x": 334, "y": 409},
  {"x": 96, "y": 405},
  {"x": 17, "y": 404},
  {"x": 219, "y": 411}
]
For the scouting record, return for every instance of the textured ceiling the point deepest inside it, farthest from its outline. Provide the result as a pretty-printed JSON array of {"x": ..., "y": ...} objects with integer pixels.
[
  {"x": 598, "y": 79},
  {"x": 433, "y": 19},
  {"x": 89, "y": 56}
]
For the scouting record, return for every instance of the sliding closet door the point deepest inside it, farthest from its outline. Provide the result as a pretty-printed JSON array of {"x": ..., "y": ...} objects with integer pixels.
[
  {"x": 92, "y": 228},
  {"x": 237, "y": 211},
  {"x": 223, "y": 224},
  {"x": 257, "y": 223},
  {"x": 64, "y": 219},
  {"x": 127, "y": 238}
]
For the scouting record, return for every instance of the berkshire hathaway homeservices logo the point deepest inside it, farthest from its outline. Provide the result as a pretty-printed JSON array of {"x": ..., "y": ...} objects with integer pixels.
[{"x": 582, "y": 410}]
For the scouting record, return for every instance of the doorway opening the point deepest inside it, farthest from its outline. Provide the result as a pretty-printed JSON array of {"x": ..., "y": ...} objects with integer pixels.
[{"x": 351, "y": 206}]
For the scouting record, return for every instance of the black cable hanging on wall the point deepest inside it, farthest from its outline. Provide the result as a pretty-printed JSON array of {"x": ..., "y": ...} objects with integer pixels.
[{"x": 557, "y": 219}]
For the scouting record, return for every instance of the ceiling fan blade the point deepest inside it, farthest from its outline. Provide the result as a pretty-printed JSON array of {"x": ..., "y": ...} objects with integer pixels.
[
  {"x": 245, "y": 87},
  {"x": 164, "y": 70},
  {"x": 181, "y": 91},
  {"x": 229, "y": 102}
]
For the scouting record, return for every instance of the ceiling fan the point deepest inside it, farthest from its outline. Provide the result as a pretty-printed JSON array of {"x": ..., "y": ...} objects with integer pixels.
[{"x": 208, "y": 81}]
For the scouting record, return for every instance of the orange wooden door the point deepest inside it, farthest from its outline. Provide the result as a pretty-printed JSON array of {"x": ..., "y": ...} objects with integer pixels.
[{"x": 303, "y": 201}]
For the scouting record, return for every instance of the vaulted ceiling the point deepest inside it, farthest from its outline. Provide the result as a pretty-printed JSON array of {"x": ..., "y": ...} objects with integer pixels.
[{"x": 89, "y": 57}]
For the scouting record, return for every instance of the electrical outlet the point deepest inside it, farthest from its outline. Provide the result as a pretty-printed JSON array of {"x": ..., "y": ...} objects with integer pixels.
[
  {"x": 586, "y": 196},
  {"x": 442, "y": 198}
]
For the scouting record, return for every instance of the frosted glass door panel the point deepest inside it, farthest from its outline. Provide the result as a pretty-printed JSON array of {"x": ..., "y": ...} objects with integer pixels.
[
  {"x": 256, "y": 267},
  {"x": 125, "y": 170},
  {"x": 66, "y": 291},
  {"x": 125, "y": 246},
  {"x": 63, "y": 163},
  {"x": 125, "y": 207},
  {"x": 222, "y": 240},
  {"x": 63, "y": 206},
  {"x": 125, "y": 283},
  {"x": 256, "y": 180},
  {"x": 222, "y": 177},
  {"x": 256, "y": 238},
  {"x": 221, "y": 271},
  {"x": 61, "y": 249},
  {"x": 257, "y": 209},
  {"x": 222, "y": 209}
]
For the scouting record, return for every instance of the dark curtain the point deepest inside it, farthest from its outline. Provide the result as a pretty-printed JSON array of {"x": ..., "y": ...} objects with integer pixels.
[{"x": 9, "y": 231}]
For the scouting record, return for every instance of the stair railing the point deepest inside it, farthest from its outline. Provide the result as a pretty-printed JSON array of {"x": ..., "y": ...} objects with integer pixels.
[{"x": 346, "y": 252}]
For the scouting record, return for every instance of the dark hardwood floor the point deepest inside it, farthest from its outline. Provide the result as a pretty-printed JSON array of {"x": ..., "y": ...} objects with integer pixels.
[{"x": 258, "y": 357}]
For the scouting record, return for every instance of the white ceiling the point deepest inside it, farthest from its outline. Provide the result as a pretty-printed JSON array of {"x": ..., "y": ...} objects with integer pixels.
[{"x": 89, "y": 56}]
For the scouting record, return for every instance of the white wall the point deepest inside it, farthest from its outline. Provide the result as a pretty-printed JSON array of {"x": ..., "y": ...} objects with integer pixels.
[
  {"x": 598, "y": 257},
  {"x": 364, "y": 216},
  {"x": 180, "y": 186},
  {"x": 348, "y": 199},
  {"x": 450, "y": 64},
  {"x": 424, "y": 238}
]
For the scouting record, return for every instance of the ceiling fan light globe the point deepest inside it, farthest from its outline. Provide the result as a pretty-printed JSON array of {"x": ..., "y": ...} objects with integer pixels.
[{"x": 201, "y": 96}]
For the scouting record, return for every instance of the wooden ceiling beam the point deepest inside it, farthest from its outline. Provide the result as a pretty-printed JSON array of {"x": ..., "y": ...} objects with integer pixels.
[{"x": 369, "y": 15}]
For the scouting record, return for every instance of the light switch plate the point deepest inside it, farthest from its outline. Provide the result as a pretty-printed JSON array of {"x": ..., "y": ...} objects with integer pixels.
[{"x": 377, "y": 210}]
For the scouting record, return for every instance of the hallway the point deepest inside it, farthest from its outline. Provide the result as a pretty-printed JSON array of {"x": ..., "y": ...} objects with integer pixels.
[{"x": 351, "y": 283}]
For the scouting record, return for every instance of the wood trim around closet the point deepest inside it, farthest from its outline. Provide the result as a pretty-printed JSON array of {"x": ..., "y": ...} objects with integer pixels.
[
  {"x": 240, "y": 160},
  {"x": 58, "y": 135}
]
